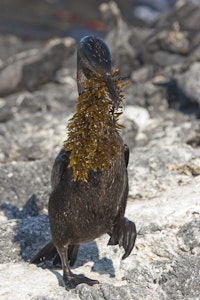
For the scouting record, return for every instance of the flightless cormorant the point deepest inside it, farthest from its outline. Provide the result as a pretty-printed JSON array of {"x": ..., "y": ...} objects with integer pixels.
[{"x": 89, "y": 176}]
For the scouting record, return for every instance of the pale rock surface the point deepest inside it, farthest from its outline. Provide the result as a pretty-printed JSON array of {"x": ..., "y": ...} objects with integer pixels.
[{"x": 164, "y": 167}]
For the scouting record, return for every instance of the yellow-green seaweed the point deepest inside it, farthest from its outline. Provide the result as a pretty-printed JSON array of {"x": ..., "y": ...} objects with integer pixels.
[{"x": 93, "y": 128}]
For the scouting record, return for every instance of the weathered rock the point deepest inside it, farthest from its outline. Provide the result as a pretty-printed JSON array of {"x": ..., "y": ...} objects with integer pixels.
[
  {"x": 5, "y": 112},
  {"x": 34, "y": 67},
  {"x": 190, "y": 235},
  {"x": 183, "y": 277},
  {"x": 31, "y": 279},
  {"x": 21, "y": 238},
  {"x": 20, "y": 180},
  {"x": 11, "y": 45},
  {"x": 123, "y": 53},
  {"x": 189, "y": 85},
  {"x": 186, "y": 15},
  {"x": 164, "y": 169}
]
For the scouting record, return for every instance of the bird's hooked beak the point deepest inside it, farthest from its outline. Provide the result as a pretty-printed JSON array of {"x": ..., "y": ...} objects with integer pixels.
[{"x": 112, "y": 90}]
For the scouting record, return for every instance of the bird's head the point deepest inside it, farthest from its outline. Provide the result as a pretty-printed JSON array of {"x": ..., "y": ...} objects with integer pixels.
[{"x": 94, "y": 58}]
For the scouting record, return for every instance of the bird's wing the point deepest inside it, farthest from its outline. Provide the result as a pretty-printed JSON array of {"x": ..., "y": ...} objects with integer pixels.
[
  {"x": 60, "y": 164},
  {"x": 126, "y": 154},
  {"x": 49, "y": 251}
]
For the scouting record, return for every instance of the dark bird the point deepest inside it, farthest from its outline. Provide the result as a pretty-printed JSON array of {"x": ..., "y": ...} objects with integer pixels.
[{"x": 89, "y": 176}]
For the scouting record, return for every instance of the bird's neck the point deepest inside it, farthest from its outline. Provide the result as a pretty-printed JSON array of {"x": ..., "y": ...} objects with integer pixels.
[
  {"x": 82, "y": 76},
  {"x": 93, "y": 130},
  {"x": 81, "y": 81}
]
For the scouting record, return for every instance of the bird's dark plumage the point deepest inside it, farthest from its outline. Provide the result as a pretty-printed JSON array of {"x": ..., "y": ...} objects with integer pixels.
[{"x": 82, "y": 210}]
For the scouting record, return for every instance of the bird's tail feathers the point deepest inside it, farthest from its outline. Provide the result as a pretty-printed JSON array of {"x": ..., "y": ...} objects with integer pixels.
[{"x": 49, "y": 252}]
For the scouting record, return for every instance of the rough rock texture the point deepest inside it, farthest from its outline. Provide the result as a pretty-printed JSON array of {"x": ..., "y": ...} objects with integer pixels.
[
  {"x": 34, "y": 67},
  {"x": 162, "y": 129}
]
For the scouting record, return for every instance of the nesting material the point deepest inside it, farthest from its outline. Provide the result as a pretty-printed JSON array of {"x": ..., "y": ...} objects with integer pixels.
[{"x": 93, "y": 130}]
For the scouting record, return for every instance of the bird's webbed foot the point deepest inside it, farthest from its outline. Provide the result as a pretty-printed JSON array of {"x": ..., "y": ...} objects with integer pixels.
[
  {"x": 71, "y": 280},
  {"x": 124, "y": 234}
]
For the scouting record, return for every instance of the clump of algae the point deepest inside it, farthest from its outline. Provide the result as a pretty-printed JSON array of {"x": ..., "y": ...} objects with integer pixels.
[{"x": 93, "y": 129}]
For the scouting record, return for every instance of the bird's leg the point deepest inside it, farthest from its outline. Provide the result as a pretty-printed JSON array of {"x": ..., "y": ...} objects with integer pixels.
[
  {"x": 72, "y": 255},
  {"x": 71, "y": 280},
  {"x": 124, "y": 233}
]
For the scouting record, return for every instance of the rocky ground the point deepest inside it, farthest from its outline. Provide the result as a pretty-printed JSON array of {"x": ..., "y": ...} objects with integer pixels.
[{"x": 38, "y": 96}]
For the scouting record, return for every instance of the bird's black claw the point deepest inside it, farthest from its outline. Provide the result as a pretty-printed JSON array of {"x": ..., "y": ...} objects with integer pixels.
[
  {"x": 114, "y": 239},
  {"x": 70, "y": 282},
  {"x": 125, "y": 235},
  {"x": 128, "y": 237}
]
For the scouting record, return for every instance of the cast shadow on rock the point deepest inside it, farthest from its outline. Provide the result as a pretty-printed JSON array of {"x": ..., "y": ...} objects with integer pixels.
[
  {"x": 28, "y": 226},
  {"x": 87, "y": 253},
  {"x": 30, "y": 209},
  {"x": 32, "y": 232},
  {"x": 101, "y": 265}
]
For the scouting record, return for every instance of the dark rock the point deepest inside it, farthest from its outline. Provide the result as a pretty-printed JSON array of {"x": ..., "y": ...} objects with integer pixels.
[
  {"x": 111, "y": 292},
  {"x": 187, "y": 15},
  {"x": 21, "y": 180},
  {"x": 163, "y": 59},
  {"x": 189, "y": 85},
  {"x": 129, "y": 132},
  {"x": 182, "y": 278},
  {"x": 105, "y": 292},
  {"x": 194, "y": 51},
  {"x": 173, "y": 40},
  {"x": 140, "y": 286},
  {"x": 11, "y": 45},
  {"x": 143, "y": 74},
  {"x": 152, "y": 227},
  {"x": 145, "y": 276},
  {"x": 34, "y": 67},
  {"x": 5, "y": 113},
  {"x": 86, "y": 292},
  {"x": 194, "y": 138},
  {"x": 190, "y": 234},
  {"x": 32, "y": 143},
  {"x": 148, "y": 95},
  {"x": 32, "y": 103},
  {"x": 123, "y": 52}
]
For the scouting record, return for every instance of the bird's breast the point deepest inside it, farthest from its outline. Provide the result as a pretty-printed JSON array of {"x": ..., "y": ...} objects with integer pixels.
[{"x": 85, "y": 210}]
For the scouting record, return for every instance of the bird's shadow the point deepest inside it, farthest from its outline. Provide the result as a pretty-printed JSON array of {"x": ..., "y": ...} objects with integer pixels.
[
  {"x": 32, "y": 231},
  {"x": 90, "y": 252},
  {"x": 87, "y": 253}
]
